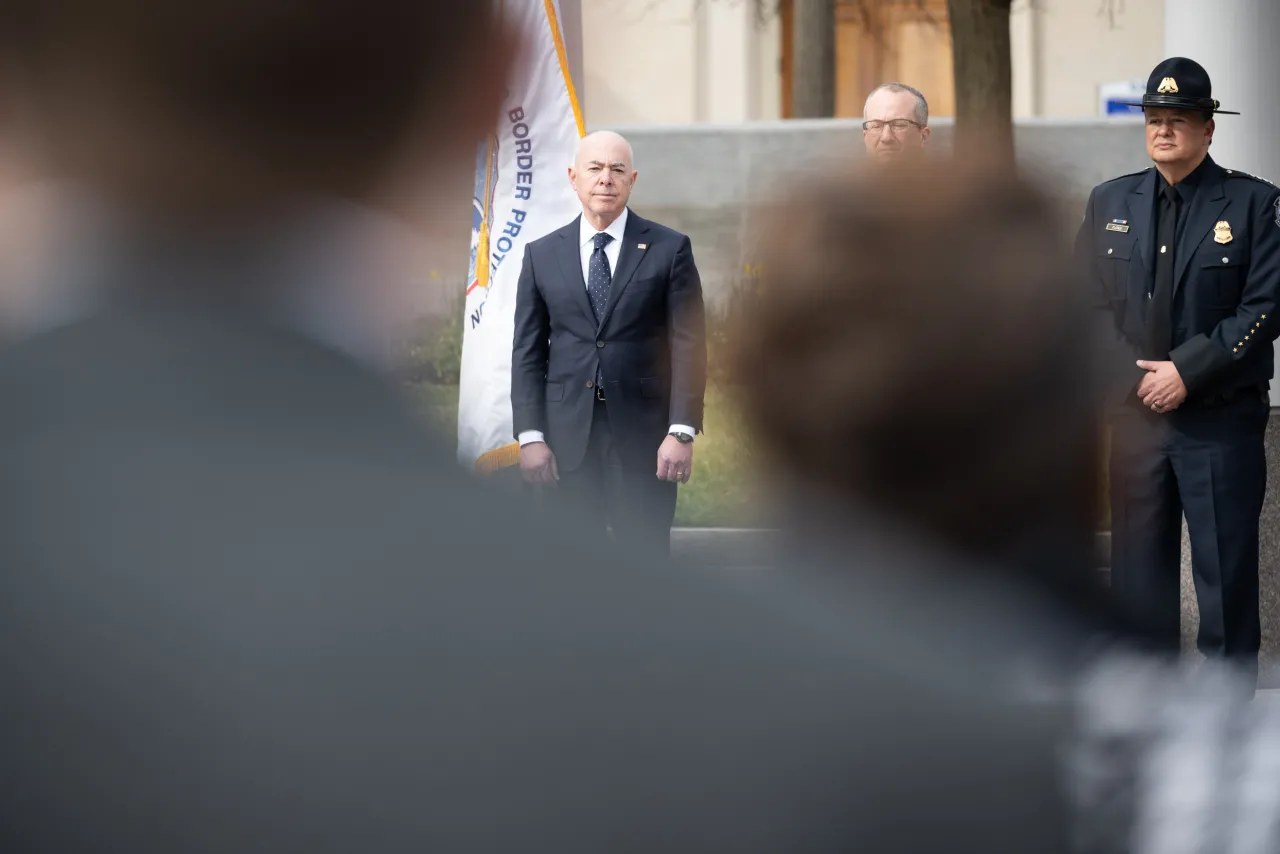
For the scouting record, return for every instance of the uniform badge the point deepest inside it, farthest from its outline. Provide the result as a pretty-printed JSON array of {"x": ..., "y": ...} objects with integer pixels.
[
  {"x": 1222, "y": 232},
  {"x": 1120, "y": 225},
  {"x": 1168, "y": 87}
]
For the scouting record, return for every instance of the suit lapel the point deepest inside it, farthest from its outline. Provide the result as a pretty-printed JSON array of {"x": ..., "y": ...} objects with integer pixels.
[
  {"x": 629, "y": 258},
  {"x": 1140, "y": 202},
  {"x": 569, "y": 254},
  {"x": 1206, "y": 207}
]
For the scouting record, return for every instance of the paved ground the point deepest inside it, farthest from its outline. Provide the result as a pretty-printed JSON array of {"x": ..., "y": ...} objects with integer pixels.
[
  {"x": 759, "y": 546},
  {"x": 742, "y": 549}
]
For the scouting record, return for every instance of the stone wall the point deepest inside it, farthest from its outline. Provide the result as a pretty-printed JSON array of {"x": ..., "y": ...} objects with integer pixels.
[{"x": 703, "y": 179}]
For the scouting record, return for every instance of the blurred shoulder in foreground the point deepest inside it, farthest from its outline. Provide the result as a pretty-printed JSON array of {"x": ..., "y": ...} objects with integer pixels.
[{"x": 245, "y": 605}]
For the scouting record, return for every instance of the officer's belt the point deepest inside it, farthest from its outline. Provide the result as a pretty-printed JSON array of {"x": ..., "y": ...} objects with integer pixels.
[{"x": 1224, "y": 397}]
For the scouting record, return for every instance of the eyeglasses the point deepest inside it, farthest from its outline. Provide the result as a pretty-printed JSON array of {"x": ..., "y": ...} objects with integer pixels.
[{"x": 898, "y": 125}]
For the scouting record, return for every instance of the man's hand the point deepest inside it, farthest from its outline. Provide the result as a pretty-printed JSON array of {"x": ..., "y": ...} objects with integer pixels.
[
  {"x": 1162, "y": 388},
  {"x": 538, "y": 463},
  {"x": 675, "y": 460}
]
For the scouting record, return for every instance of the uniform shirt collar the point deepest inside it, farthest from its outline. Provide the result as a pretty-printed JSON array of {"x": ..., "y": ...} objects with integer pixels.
[
  {"x": 616, "y": 229},
  {"x": 1187, "y": 186}
]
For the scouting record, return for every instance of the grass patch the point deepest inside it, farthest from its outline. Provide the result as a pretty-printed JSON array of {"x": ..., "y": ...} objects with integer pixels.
[{"x": 720, "y": 492}]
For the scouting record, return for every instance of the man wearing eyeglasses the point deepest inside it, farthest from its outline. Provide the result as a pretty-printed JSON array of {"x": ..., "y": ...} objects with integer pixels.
[{"x": 896, "y": 123}]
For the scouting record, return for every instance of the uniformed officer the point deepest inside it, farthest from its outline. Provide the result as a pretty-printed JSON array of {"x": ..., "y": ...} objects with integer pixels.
[{"x": 1184, "y": 270}]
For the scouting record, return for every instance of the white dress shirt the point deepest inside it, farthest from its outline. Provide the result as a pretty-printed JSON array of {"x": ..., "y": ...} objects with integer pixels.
[
  {"x": 586, "y": 247},
  {"x": 587, "y": 242}
]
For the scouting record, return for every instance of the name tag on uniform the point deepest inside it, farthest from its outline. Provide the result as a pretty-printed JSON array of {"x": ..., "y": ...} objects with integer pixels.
[{"x": 1119, "y": 225}]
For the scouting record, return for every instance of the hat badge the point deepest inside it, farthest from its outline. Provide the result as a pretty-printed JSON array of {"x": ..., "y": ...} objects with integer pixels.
[{"x": 1168, "y": 87}]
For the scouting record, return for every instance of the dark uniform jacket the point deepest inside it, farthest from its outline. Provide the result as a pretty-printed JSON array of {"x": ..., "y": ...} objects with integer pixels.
[{"x": 1226, "y": 278}]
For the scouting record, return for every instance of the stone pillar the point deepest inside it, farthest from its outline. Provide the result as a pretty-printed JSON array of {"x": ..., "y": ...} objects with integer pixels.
[
  {"x": 728, "y": 63},
  {"x": 1235, "y": 40}
]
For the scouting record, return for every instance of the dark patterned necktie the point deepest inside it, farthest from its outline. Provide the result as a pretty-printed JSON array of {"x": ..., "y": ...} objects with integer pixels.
[{"x": 599, "y": 276}]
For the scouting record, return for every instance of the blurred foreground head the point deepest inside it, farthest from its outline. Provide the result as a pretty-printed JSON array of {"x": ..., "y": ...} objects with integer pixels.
[
  {"x": 206, "y": 108},
  {"x": 916, "y": 350}
]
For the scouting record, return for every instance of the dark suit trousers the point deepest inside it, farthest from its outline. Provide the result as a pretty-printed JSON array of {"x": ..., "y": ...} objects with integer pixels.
[
  {"x": 603, "y": 492},
  {"x": 1210, "y": 464}
]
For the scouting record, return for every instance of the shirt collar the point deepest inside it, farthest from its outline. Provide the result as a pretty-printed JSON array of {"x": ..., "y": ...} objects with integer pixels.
[
  {"x": 1188, "y": 185},
  {"x": 617, "y": 229}
]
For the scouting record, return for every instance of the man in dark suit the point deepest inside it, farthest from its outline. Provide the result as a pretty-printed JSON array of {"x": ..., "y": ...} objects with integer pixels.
[
  {"x": 608, "y": 368},
  {"x": 1184, "y": 265},
  {"x": 244, "y": 606}
]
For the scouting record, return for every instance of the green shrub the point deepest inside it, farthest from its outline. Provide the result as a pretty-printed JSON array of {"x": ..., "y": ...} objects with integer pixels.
[{"x": 431, "y": 352}]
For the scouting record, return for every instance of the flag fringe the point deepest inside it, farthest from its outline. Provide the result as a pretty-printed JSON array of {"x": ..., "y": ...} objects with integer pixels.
[{"x": 498, "y": 458}]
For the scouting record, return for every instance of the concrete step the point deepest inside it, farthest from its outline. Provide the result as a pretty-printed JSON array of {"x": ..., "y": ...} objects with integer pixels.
[{"x": 726, "y": 546}]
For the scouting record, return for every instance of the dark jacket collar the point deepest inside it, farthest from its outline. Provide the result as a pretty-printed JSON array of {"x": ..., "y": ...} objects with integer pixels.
[{"x": 1188, "y": 186}]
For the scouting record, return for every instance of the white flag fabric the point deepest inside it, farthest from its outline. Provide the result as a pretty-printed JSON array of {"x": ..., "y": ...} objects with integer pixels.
[{"x": 522, "y": 193}]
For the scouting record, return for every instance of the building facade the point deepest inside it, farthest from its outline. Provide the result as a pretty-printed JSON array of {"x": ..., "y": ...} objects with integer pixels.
[{"x": 729, "y": 61}]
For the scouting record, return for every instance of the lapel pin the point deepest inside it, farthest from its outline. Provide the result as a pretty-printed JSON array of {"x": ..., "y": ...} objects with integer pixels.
[
  {"x": 642, "y": 245},
  {"x": 1222, "y": 232}
]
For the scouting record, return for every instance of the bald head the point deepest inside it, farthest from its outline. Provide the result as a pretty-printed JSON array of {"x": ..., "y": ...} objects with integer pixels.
[
  {"x": 604, "y": 142},
  {"x": 602, "y": 174}
]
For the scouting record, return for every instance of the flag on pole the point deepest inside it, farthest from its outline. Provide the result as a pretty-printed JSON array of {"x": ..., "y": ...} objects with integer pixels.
[{"x": 522, "y": 193}]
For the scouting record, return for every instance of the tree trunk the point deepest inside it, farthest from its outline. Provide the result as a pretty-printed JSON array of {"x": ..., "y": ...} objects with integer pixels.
[
  {"x": 983, "y": 79},
  {"x": 813, "y": 51}
]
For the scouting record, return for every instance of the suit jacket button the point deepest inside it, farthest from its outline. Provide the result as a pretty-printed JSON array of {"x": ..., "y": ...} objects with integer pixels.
[
  {"x": 600, "y": 345},
  {"x": 591, "y": 384}
]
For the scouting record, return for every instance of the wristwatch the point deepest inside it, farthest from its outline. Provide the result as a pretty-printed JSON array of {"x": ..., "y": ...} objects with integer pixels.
[{"x": 682, "y": 438}]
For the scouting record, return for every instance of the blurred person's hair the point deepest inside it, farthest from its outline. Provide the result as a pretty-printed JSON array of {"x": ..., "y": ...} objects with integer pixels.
[
  {"x": 916, "y": 347},
  {"x": 313, "y": 95}
]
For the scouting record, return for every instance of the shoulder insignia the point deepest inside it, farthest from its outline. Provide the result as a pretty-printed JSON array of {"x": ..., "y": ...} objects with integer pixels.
[
  {"x": 1127, "y": 175},
  {"x": 1236, "y": 173}
]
